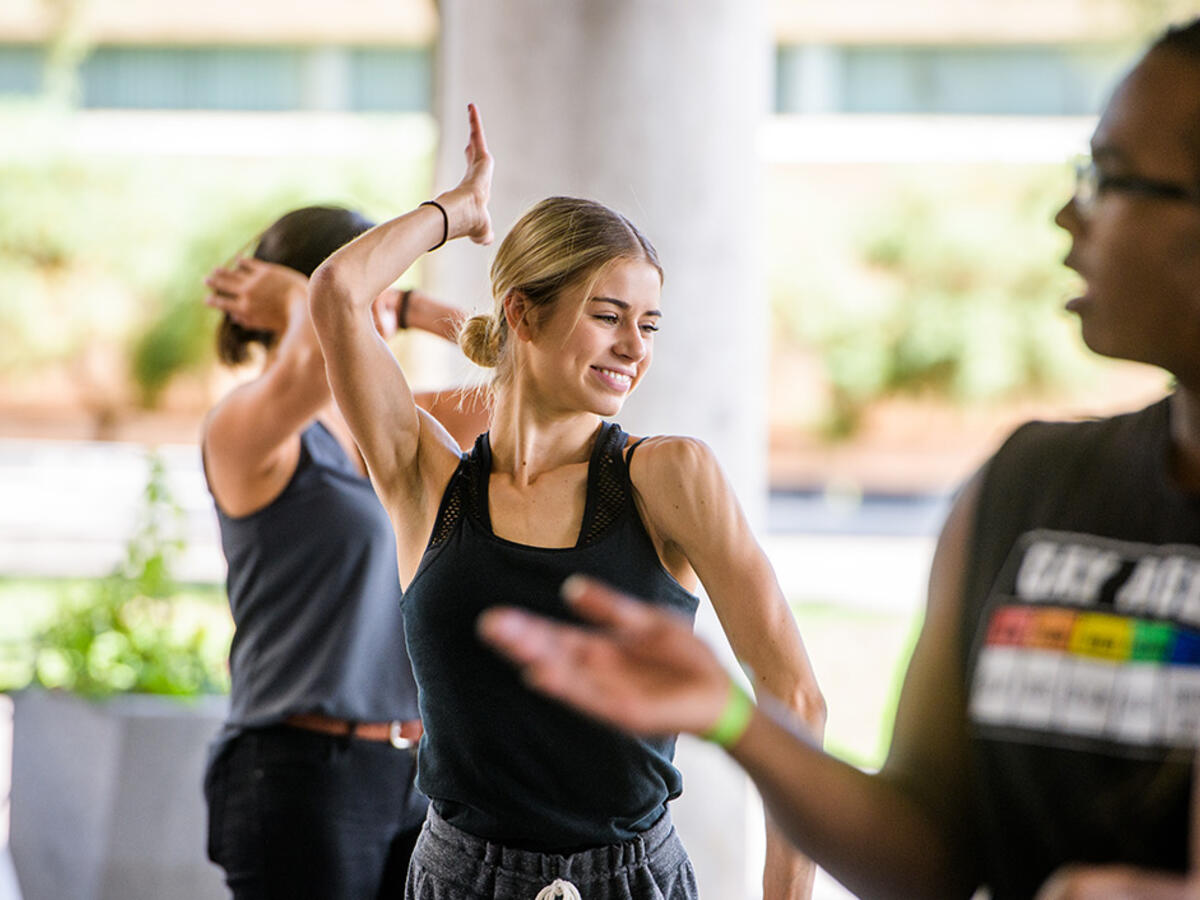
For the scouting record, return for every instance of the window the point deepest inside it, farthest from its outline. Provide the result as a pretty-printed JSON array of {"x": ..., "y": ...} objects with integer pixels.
[{"x": 979, "y": 80}]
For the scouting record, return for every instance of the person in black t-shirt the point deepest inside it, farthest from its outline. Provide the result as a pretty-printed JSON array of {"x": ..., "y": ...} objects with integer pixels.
[{"x": 1045, "y": 734}]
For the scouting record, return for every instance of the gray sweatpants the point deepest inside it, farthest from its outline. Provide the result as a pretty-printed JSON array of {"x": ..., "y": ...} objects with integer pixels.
[{"x": 450, "y": 864}]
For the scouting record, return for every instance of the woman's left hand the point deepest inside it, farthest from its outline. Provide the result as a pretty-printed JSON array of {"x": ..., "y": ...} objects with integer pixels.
[
  {"x": 255, "y": 294},
  {"x": 466, "y": 203}
]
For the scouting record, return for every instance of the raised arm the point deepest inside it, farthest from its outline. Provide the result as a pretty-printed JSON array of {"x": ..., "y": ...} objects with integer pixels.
[
  {"x": 883, "y": 835},
  {"x": 407, "y": 453},
  {"x": 251, "y": 439},
  {"x": 463, "y": 412}
]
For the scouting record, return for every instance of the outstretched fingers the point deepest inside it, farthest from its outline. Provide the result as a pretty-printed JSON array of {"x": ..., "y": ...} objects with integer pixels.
[
  {"x": 641, "y": 668},
  {"x": 597, "y": 602},
  {"x": 525, "y": 638},
  {"x": 583, "y": 668}
]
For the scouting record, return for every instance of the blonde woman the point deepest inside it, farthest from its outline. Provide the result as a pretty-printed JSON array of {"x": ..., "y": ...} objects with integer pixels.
[{"x": 526, "y": 795}]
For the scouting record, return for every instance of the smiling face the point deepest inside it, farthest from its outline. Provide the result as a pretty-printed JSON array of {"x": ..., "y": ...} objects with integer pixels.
[
  {"x": 594, "y": 345},
  {"x": 1139, "y": 253}
]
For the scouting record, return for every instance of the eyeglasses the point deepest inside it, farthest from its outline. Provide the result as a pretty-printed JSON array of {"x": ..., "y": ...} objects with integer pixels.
[{"x": 1091, "y": 184}]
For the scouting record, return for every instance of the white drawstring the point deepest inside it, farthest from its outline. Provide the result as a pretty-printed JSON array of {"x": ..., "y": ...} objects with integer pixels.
[{"x": 559, "y": 888}]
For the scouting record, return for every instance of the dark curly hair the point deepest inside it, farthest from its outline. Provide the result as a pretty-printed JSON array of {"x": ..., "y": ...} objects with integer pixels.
[{"x": 301, "y": 239}]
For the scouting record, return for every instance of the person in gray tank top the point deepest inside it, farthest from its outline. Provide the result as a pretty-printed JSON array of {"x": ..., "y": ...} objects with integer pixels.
[
  {"x": 310, "y": 785},
  {"x": 527, "y": 799},
  {"x": 1046, "y": 736}
]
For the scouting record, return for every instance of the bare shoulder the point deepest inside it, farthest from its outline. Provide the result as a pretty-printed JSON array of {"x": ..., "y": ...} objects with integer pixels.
[
  {"x": 674, "y": 475},
  {"x": 226, "y": 426},
  {"x": 671, "y": 457},
  {"x": 246, "y": 465}
]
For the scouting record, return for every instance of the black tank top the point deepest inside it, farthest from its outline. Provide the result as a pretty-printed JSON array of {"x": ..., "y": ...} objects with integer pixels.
[
  {"x": 497, "y": 759},
  {"x": 1082, "y": 631}
]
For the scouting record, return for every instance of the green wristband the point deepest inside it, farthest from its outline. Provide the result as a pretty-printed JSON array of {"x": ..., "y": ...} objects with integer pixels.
[{"x": 734, "y": 719}]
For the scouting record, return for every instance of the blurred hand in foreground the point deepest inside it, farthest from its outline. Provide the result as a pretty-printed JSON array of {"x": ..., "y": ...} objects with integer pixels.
[{"x": 642, "y": 669}]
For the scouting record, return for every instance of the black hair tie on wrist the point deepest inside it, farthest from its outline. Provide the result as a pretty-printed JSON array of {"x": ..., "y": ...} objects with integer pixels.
[
  {"x": 402, "y": 315},
  {"x": 445, "y": 223}
]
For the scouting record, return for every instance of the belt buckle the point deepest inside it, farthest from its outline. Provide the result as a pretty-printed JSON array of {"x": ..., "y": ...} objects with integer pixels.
[{"x": 395, "y": 738}]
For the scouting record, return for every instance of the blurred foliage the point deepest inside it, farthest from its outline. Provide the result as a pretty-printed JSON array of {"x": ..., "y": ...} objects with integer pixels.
[
  {"x": 111, "y": 251},
  {"x": 127, "y": 632},
  {"x": 939, "y": 279},
  {"x": 954, "y": 288}
]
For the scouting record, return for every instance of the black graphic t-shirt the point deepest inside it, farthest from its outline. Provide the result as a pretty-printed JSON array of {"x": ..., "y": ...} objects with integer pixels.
[{"x": 1082, "y": 633}]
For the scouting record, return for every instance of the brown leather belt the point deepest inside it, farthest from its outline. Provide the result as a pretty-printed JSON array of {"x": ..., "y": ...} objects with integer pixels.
[{"x": 400, "y": 735}]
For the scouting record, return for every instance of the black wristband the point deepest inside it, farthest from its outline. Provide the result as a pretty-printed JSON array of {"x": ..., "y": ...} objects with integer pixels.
[
  {"x": 445, "y": 223},
  {"x": 402, "y": 313}
]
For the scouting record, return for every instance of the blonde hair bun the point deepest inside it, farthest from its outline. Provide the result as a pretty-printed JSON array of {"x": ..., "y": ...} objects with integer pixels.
[{"x": 480, "y": 339}]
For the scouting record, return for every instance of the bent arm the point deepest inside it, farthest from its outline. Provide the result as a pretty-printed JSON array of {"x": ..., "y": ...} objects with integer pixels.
[
  {"x": 901, "y": 832},
  {"x": 408, "y": 454},
  {"x": 693, "y": 508},
  {"x": 251, "y": 439},
  {"x": 367, "y": 382},
  {"x": 463, "y": 412},
  {"x": 694, "y": 512}
]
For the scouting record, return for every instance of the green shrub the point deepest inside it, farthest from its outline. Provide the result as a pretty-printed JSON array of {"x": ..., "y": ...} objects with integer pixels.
[{"x": 128, "y": 632}]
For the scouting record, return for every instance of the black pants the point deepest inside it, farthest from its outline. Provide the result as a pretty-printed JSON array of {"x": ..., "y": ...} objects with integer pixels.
[{"x": 296, "y": 814}]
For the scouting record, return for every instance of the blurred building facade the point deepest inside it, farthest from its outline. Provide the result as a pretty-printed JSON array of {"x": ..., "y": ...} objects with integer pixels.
[
  {"x": 1019, "y": 57},
  {"x": 851, "y": 82}
]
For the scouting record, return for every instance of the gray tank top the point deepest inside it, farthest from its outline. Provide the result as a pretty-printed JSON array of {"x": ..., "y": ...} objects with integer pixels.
[{"x": 315, "y": 596}]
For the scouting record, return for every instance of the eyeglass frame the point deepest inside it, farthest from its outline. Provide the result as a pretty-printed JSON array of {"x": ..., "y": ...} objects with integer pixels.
[{"x": 1091, "y": 183}]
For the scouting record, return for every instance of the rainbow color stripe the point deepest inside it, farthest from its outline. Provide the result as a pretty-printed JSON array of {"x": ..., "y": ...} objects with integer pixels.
[{"x": 1065, "y": 673}]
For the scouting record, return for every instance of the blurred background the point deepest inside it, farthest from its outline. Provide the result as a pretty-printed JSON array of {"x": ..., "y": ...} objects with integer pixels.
[{"x": 902, "y": 277}]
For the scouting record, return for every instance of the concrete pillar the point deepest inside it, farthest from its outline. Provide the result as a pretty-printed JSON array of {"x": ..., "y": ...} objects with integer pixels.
[{"x": 652, "y": 107}]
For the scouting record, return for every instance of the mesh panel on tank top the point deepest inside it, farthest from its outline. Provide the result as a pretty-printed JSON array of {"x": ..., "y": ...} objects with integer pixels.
[
  {"x": 452, "y": 506},
  {"x": 607, "y": 490},
  {"x": 608, "y": 486}
]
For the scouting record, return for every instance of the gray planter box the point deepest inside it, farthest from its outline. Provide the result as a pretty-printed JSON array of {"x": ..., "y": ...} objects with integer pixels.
[{"x": 106, "y": 797}]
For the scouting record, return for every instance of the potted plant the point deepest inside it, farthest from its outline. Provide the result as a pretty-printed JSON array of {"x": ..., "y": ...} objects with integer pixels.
[{"x": 123, "y": 688}]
